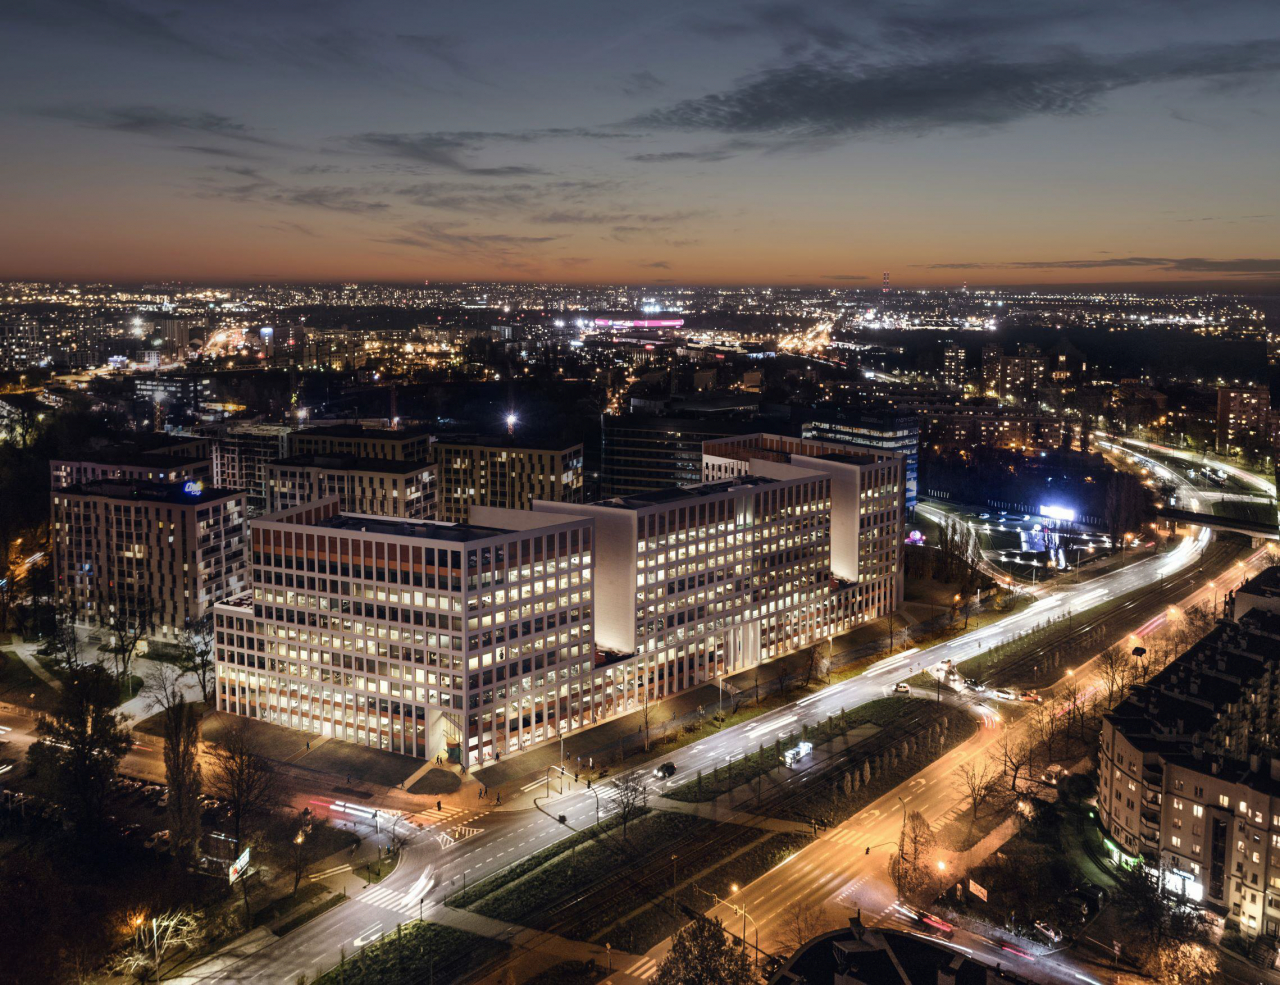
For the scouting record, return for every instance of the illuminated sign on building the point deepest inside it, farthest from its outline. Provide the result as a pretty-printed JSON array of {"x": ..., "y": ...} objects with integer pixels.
[{"x": 193, "y": 487}]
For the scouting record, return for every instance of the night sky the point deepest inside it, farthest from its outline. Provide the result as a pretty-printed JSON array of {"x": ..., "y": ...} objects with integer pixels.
[{"x": 993, "y": 141}]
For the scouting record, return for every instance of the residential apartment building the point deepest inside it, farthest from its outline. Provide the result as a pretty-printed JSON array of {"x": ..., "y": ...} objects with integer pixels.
[
  {"x": 1017, "y": 378},
  {"x": 244, "y": 452},
  {"x": 502, "y": 472},
  {"x": 1243, "y": 419},
  {"x": 410, "y": 444},
  {"x": 415, "y": 637},
  {"x": 179, "y": 460},
  {"x": 1189, "y": 776},
  {"x": 953, "y": 371},
  {"x": 372, "y": 486},
  {"x": 158, "y": 552}
]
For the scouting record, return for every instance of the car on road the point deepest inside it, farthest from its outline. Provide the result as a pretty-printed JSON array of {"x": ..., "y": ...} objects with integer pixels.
[
  {"x": 1004, "y": 694},
  {"x": 902, "y": 688},
  {"x": 1030, "y": 696},
  {"x": 973, "y": 685},
  {"x": 1049, "y": 931},
  {"x": 984, "y": 516},
  {"x": 665, "y": 771}
]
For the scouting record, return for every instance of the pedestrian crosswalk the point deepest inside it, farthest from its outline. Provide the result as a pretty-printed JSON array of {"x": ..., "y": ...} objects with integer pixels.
[
  {"x": 447, "y": 814},
  {"x": 644, "y": 968},
  {"x": 393, "y": 900}
]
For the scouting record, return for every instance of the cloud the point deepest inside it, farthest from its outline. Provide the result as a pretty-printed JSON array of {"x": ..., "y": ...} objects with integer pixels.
[
  {"x": 443, "y": 49},
  {"x": 220, "y": 152},
  {"x": 453, "y": 239},
  {"x": 440, "y": 151},
  {"x": 829, "y": 98},
  {"x": 844, "y": 277},
  {"x": 1198, "y": 265},
  {"x": 154, "y": 121},
  {"x": 574, "y": 261},
  {"x": 641, "y": 83},
  {"x": 657, "y": 265}
]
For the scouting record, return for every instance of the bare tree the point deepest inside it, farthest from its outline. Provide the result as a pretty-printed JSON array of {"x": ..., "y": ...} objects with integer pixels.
[
  {"x": 909, "y": 867},
  {"x": 977, "y": 780},
  {"x": 195, "y": 656},
  {"x": 644, "y": 715},
  {"x": 1015, "y": 756},
  {"x": 1115, "y": 672},
  {"x": 244, "y": 778},
  {"x": 129, "y": 623},
  {"x": 155, "y": 939},
  {"x": 801, "y": 922},
  {"x": 65, "y": 639},
  {"x": 163, "y": 688},
  {"x": 632, "y": 798}
]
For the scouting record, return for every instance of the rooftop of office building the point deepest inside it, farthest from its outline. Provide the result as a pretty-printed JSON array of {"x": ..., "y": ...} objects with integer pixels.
[
  {"x": 679, "y": 494},
  {"x": 180, "y": 494},
  {"x": 454, "y": 533},
  {"x": 352, "y": 463},
  {"x": 374, "y": 434}
]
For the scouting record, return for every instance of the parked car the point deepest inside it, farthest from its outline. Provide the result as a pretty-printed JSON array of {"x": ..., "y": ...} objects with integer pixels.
[
  {"x": 1052, "y": 774},
  {"x": 158, "y": 841},
  {"x": 1047, "y": 930},
  {"x": 665, "y": 771},
  {"x": 902, "y": 688},
  {"x": 1030, "y": 696},
  {"x": 1095, "y": 896}
]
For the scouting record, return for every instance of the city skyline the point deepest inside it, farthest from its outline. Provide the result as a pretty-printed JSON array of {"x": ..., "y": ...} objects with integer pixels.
[{"x": 786, "y": 144}]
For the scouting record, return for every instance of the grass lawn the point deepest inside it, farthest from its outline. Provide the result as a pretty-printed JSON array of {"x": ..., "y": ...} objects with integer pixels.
[
  {"x": 655, "y": 923},
  {"x": 412, "y": 952},
  {"x": 20, "y": 686},
  {"x": 529, "y": 900},
  {"x": 377, "y": 870},
  {"x": 128, "y": 687},
  {"x": 307, "y": 893}
]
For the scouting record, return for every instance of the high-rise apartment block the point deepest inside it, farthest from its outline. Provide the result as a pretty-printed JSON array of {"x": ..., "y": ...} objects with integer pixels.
[
  {"x": 160, "y": 553},
  {"x": 503, "y": 472},
  {"x": 1244, "y": 419},
  {"x": 1189, "y": 770},
  {"x": 1017, "y": 378},
  {"x": 953, "y": 371},
  {"x": 244, "y": 452},
  {"x": 373, "y": 486}
]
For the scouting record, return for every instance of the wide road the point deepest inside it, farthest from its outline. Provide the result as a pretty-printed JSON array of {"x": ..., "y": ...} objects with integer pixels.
[{"x": 836, "y": 872}]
